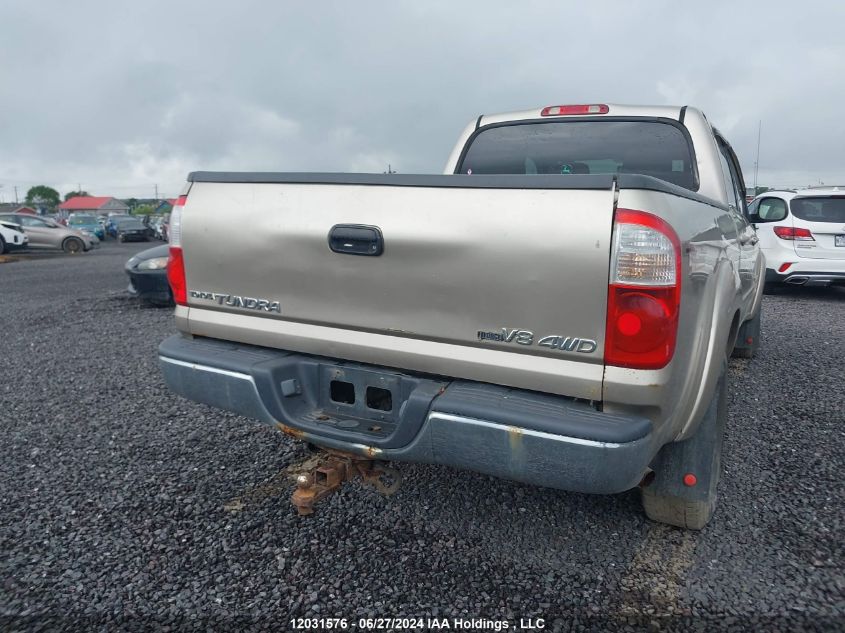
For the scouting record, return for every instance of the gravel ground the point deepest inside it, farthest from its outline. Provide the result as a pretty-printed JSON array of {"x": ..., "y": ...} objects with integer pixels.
[{"x": 117, "y": 497}]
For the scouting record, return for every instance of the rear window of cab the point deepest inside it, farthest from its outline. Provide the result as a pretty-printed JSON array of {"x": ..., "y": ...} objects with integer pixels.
[{"x": 651, "y": 148}]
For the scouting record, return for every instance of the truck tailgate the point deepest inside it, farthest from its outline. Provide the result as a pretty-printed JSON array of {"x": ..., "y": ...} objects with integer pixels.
[{"x": 499, "y": 279}]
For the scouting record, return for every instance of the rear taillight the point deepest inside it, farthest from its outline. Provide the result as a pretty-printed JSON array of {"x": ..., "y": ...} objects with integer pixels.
[
  {"x": 791, "y": 233},
  {"x": 176, "y": 276},
  {"x": 174, "y": 228},
  {"x": 564, "y": 110},
  {"x": 644, "y": 292},
  {"x": 176, "y": 260}
]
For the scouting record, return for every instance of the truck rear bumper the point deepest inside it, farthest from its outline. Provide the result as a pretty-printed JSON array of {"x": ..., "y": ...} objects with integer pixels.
[{"x": 510, "y": 433}]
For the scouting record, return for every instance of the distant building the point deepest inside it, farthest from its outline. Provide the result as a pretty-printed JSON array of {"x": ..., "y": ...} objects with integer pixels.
[
  {"x": 14, "y": 207},
  {"x": 93, "y": 204}
]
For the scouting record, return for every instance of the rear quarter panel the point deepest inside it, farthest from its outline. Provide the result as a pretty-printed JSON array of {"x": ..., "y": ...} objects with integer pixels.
[{"x": 675, "y": 397}]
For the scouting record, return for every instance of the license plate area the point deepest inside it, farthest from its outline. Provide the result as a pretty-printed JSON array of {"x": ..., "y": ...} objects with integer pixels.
[
  {"x": 363, "y": 393},
  {"x": 339, "y": 400},
  {"x": 359, "y": 400},
  {"x": 839, "y": 240}
]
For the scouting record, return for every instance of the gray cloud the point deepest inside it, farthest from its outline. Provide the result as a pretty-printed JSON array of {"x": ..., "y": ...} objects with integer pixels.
[{"x": 119, "y": 97}]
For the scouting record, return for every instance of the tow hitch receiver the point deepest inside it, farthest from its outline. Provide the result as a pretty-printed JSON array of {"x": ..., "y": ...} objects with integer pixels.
[{"x": 322, "y": 480}]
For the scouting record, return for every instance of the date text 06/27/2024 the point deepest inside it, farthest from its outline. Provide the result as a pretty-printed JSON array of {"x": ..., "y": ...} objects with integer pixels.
[{"x": 416, "y": 624}]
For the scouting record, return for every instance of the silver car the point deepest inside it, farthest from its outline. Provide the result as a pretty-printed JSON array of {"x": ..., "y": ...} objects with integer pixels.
[{"x": 44, "y": 233}]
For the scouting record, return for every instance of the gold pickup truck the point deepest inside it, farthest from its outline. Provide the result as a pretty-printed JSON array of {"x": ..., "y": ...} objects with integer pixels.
[{"x": 557, "y": 308}]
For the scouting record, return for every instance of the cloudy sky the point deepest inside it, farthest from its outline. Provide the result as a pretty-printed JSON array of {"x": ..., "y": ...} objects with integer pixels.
[{"x": 120, "y": 97}]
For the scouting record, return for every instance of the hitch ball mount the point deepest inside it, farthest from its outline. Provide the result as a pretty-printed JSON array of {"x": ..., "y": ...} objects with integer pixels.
[{"x": 328, "y": 476}]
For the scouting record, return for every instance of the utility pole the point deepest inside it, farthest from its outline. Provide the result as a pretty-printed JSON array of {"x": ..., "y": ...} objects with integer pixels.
[
  {"x": 156, "y": 192},
  {"x": 757, "y": 162},
  {"x": 16, "y": 194}
]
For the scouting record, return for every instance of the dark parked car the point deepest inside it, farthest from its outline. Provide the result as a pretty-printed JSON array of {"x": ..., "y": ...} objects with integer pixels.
[
  {"x": 148, "y": 276},
  {"x": 111, "y": 223},
  {"x": 131, "y": 230}
]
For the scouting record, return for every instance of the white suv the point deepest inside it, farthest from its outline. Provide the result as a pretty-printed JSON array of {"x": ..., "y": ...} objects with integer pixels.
[
  {"x": 12, "y": 237},
  {"x": 802, "y": 234}
]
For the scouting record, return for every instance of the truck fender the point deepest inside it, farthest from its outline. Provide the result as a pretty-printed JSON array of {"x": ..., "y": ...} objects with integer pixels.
[
  {"x": 723, "y": 329},
  {"x": 758, "y": 294}
]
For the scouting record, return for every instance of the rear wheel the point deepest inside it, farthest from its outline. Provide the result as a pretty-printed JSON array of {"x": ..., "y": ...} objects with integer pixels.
[
  {"x": 73, "y": 245},
  {"x": 683, "y": 490},
  {"x": 2, "y": 245},
  {"x": 748, "y": 338}
]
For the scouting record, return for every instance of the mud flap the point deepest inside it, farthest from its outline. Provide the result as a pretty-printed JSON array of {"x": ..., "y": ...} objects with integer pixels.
[
  {"x": 700, "y": 455},
  {"x": 748, "y": 337}
]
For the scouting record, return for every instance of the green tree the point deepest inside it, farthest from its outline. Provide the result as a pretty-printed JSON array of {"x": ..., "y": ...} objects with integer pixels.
[
  {"x": 74, "y": 194},
  {"x": 132, "y": 203},
  {"x": 144, "y": 209},
  {"x": 43, "y": 196}
]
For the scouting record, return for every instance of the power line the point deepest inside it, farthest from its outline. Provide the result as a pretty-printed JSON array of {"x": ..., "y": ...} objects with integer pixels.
[
  {"x": 123, "y": 190},
  {"x": 146, "y": 186}
]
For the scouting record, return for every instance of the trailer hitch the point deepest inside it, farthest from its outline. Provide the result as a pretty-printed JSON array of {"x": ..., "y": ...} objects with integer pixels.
[{"x": 321, "y": 480}]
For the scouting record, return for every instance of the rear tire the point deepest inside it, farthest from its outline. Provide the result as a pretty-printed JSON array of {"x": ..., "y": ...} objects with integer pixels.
[
  {"x": 748, "y": 331},
  {"x": 667, "y": 499},
  {"x": 73, "y": 245},
  {"x": 2, "y": 245}
]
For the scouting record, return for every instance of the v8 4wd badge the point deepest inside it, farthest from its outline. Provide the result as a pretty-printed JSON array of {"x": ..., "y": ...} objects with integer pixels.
[{"x": 554, "y": 341}]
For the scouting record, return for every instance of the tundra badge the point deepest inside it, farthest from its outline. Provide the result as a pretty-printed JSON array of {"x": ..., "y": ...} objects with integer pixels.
[{"x": 235, "y": 301}]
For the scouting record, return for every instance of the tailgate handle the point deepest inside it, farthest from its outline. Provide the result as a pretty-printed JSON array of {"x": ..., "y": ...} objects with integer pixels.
[{"x": 356, "y": 239}]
